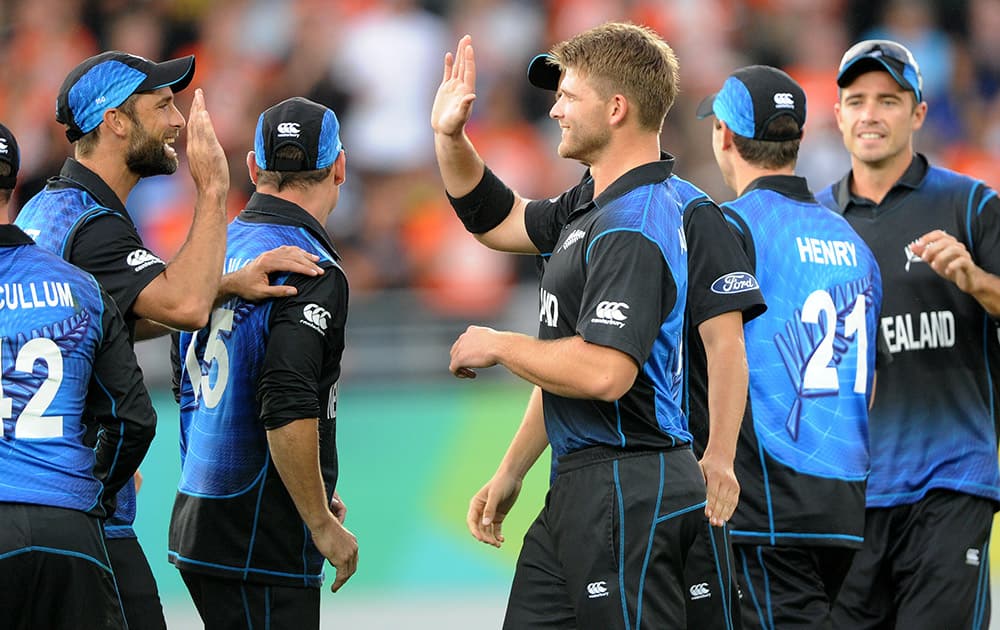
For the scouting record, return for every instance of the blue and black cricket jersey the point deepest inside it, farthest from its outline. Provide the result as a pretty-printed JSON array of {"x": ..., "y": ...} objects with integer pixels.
[
  {"x": 803, "y": 460},
  {"x": 617, "y": 275},
  {"x": 258, "y": 366},
  {"x": 720, "y": 278},
  {"x": 66, "y": 365},
  {"x": 933, "y": 425},
  {"x": 78, "y": 217}
]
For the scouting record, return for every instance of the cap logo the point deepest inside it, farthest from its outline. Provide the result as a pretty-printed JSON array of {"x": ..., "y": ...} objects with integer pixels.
[
  {"x": 3, "y": 145},
  {"x": 101, "y": 100},
  {"x": 784, "y": 100},
  {"x": 288, "y": 130}
]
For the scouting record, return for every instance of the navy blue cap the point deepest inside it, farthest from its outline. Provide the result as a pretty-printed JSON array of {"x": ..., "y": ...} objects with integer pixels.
[
  {"x": 543, "y": 72},
  {"x": 302, "y": 123},
  {"x": 10, "y": 154},
  {"x": 882, "y": 54},
  {"x": 105, "y": 81},
  {"x": 752, "y": 97}
]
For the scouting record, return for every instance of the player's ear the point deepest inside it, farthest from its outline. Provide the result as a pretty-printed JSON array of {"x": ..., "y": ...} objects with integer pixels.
[
  {"x": 252, "y": 167},
  {"x": 340, "y": 168}
]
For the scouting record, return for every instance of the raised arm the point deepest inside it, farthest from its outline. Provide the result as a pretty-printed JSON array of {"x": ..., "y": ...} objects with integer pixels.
[
  {"x": 487, "y": 207},
  {"x": 182, "y": 295}
]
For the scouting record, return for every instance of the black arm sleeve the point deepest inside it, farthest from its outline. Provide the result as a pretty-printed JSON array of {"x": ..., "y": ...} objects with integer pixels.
[
  {"x": 109, "y": 248},
  {"x": 716, "y": 249},
  {"x": 118, "y": 400},
  {"x": 302, "y": 360},
  {"x": 544, "y": 218}
]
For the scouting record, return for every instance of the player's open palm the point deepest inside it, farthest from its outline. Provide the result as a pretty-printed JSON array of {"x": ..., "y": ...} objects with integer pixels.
[
  {"x": 490, "y": 506},
  {"x": 453, "y": 102},
  {"x": 340, "y": 547},
  {"x": 206, "y": 159}
]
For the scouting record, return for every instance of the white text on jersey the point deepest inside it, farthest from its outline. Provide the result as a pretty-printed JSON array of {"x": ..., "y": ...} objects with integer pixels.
[
  {"x": 549, "y": 311},
  {"x": 822, "y": 252},
  {"x": 23, "y": 296},
  {"x": 935, "y": 329}
]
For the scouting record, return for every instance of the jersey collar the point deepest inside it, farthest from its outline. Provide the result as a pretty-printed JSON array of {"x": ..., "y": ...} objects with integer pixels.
[
  {"x": 13, "y": 236},
  {"x": 264, "y": 208},
  {"x": 912, "y": 178},
  {"x": 787, "y": 185},
  {"x": 79, "y": 176},
  {"x": 649, "y": 173}
]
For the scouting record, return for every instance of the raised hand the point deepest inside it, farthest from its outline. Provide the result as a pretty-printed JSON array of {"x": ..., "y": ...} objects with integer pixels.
[
  {"x": 206, "y": 159},
  {"x": 453, "y": 102}
]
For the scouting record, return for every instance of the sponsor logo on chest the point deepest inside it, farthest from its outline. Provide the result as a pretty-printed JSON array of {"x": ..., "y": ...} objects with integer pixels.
[{"x": 917, "y": 331}]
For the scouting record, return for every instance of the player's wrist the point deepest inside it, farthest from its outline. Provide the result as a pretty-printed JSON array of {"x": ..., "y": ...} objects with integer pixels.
[{"x": 485, "y": 206}]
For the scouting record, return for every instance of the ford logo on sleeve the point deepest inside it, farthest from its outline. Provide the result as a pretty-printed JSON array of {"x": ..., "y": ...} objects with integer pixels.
[{"x": 736, "y": 282}]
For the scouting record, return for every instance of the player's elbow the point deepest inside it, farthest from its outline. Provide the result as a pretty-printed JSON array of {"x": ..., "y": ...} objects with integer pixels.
[
  {"x": 612, "y": 385},
  {"x": 190, "y": 317}
]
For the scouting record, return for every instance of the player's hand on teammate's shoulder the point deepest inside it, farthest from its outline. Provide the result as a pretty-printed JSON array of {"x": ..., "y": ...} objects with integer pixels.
[
  {"x": 253, "y": 281},
  {"x": 206, "y": 159}
]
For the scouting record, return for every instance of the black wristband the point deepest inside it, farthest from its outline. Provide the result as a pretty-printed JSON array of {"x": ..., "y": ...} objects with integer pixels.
[{"x": 486, "y": 205}]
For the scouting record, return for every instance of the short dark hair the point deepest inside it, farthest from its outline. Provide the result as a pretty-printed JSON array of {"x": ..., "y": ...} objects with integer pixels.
[
  {"x": 771, "y": 155},
  {"x": 292, "y": 179}
]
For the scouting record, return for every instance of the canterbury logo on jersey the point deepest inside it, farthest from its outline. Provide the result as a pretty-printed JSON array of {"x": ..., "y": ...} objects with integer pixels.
[
  {"x": 3, "y": 146},
  {"x": 142, "y": 258},
  {"x": 784, "y": 100},
  {"x": 288, "y": 130},
  {"x": 700, "y": 591},
  {"x": 574, "y": 236},
  {"x": 315, "y": 316},
  {"x": 610, "y": 313},
  {"x": 735, "y": 282},
  {"x": 597, "y": 589}
]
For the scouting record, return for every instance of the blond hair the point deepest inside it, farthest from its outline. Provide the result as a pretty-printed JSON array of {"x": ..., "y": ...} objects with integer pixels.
[{"x": 627, "y": 59}]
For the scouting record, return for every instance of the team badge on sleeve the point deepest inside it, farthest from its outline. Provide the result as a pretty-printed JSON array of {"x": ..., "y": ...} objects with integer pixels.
[
  {"x": 316, "y": 317},
  {"x": 141, "y": 259}
]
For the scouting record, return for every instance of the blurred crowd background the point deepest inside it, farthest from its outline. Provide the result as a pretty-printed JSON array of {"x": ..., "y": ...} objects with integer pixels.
[
  {"x": 416, "y": 444},
  {"x": 377, "y": 63}
]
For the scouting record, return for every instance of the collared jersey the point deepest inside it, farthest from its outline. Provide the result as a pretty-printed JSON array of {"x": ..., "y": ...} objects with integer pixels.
[
  {"x": 78, "y": 217},
  {"x": 617, "y": 275},
  {"x": 720, "y": 278},
  {"x": 258, "y": 366},
  {"x": 933, "y": 424},
  {"x": 65, "y": 364},
  {"x": 803, "y": 459}
]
